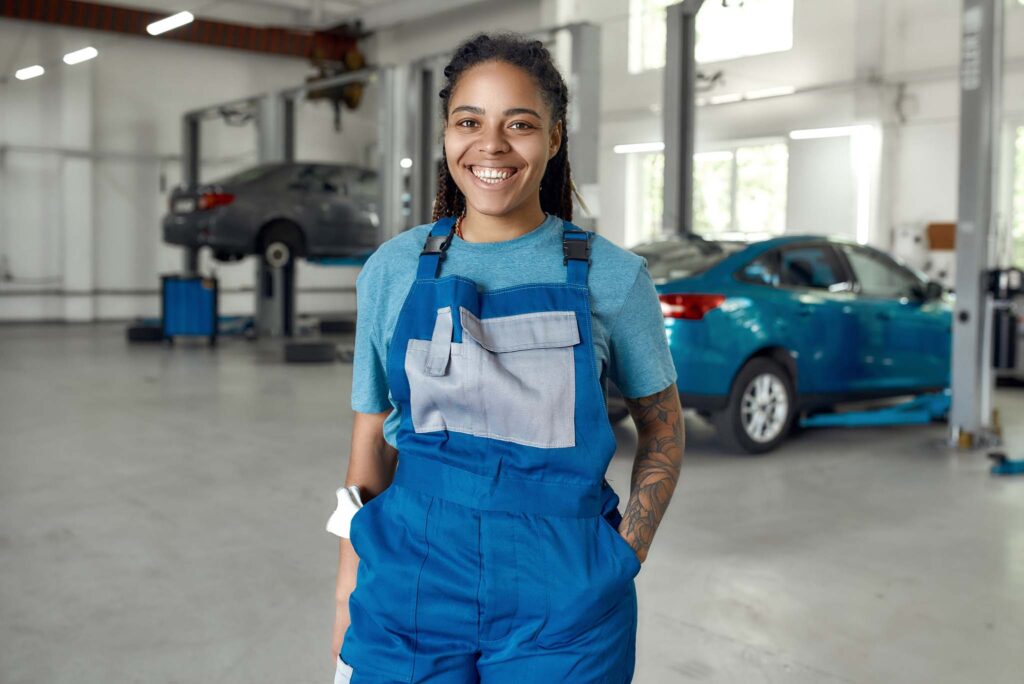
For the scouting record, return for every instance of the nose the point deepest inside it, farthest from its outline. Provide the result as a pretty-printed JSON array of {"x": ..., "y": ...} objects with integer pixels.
[{"x": 492, "y": 140}]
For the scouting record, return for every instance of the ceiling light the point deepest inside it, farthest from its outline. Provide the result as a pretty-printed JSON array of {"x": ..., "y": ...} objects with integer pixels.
[
  {"x": 639, "y": 147},
  {"x": 725, "y": 99},
  {"x": 170, "y": 23},
  {"x": 836, "y": 132},
  {"x": 79, "y": 56},
  {"x": 29, "y": 72},
  {"x": 769, "y": 92},
  {"x": 406, "y": 163}
]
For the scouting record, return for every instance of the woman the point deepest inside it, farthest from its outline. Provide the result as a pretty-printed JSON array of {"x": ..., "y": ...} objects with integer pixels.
[{"x": 492, "y": 550}]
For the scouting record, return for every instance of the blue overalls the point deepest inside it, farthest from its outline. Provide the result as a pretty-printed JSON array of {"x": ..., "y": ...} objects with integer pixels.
[{"x": 494, "y": 555}]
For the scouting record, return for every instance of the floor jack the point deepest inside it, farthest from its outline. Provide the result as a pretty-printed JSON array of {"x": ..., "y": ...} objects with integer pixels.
[
  {"x": 1003, "y": 465},
  {"x": 920, "y": 410}
]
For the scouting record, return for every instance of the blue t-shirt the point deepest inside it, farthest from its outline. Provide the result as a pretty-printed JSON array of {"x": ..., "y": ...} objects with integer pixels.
[{"x": 628, "y": 328}]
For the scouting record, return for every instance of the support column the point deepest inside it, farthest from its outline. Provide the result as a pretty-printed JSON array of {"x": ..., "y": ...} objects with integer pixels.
[
  {"x": 77, "y": 193},
  {"x": 981, "y": 60},
  {"x": 678, "y": 115}
]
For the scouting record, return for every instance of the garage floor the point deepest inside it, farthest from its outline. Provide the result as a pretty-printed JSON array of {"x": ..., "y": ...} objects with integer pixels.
[{"x": 162, "y": 512}]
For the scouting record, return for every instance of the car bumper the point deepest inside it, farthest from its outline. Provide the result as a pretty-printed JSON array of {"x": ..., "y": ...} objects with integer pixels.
[{"x": 200, "y": 229}]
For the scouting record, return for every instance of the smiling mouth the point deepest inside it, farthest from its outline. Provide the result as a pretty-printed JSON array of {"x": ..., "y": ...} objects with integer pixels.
[{"x": 493, "y": 176}]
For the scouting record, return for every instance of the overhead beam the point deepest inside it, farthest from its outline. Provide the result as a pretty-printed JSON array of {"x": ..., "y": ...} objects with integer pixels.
[{"x": 98, "y": 17}]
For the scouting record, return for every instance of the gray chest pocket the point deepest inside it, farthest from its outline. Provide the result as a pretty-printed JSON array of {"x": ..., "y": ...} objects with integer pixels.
[{"x": 511, "y": 378}]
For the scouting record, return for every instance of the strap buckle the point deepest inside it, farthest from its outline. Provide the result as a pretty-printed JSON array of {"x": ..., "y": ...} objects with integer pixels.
[{"x": 575, "y": 249}]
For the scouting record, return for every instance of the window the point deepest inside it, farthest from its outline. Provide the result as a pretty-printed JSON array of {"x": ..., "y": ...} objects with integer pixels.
[
  {"x": 812, "y": 266},
  {"x": 880, "y": 276},
  {"x": 741, "y": 193},
  {"x": 1018, "y": 199},
  {"x": 645, "y": 183},
  {"x": 725, "y": 30},
  {"x": 764, "y": 270}
]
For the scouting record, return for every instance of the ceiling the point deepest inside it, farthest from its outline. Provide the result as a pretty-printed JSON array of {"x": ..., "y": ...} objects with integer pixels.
[{"x": 311, "y": 14}]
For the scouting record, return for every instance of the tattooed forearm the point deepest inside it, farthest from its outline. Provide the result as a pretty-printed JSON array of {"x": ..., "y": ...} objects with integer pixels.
[{"x": 659, "y": 456}]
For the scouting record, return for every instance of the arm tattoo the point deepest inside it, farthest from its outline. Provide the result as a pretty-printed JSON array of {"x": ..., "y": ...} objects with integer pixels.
[{"x": 661, "y": 439}]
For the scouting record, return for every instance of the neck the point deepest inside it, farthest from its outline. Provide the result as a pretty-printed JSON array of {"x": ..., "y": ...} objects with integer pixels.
[{"x": 478, "y": 227}]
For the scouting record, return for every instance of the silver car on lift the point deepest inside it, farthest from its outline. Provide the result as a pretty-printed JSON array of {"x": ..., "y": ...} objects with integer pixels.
[{"x": 280, "y": 211}]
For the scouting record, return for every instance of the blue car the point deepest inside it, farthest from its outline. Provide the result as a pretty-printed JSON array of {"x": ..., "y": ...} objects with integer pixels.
[{"x": 763, "y": 332}]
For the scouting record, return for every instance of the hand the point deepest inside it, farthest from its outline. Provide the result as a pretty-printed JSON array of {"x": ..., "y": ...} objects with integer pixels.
[{"x": 641, "y": 554}]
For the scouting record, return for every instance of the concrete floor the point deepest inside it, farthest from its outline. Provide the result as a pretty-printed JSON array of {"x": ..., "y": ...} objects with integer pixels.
[{"x": 162, "y": 512}]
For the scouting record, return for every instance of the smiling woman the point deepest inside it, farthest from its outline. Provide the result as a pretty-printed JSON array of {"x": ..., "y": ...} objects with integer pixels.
[
  {"x": 503, "y": 138},
  {"x": 497, "y": 553}
]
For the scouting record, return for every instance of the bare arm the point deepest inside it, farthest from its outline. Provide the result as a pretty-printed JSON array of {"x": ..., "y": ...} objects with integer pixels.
[
  {"x": 661, "y": 440},
  {"x": 371, "y": 465}
]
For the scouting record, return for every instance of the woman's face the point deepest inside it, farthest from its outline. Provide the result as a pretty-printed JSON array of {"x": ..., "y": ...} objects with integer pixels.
[{"x": 498, "y": 127}]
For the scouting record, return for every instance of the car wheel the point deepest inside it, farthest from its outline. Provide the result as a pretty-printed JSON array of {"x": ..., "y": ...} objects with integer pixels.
[
  {"x": 281, "y": 245},
  {"x": 760, "y": 409}
]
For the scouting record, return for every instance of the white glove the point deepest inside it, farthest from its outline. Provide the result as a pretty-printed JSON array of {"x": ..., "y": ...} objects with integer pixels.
[
  {"x": 348, "y": 503},
  {"x": 343, "y": 675}
]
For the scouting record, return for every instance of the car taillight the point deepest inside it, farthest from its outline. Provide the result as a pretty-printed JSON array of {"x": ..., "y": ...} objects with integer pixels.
[
  {"x": 210, "y": 200},
  {"x": 691, "y": 307}
]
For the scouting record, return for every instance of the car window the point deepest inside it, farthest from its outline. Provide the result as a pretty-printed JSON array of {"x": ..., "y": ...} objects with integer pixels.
[
  {"x": 359, "y": 182},
  {"x": 764, "y": 270},
  {"x": 812, "y": 266},
  {"x": 250, "y": 175},
  {"x": 880, "y": 276}
]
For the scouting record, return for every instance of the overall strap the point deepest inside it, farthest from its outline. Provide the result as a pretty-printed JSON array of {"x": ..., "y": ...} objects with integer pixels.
[
  {"x": 576, "y": 254},
  {"x": 435, "y": 247}
]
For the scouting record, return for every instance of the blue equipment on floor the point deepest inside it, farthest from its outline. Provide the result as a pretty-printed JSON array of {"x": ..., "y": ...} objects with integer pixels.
[
  {"x": 1006, "y": 466},
  {"x": 188, "y": 306},
  {"x": 920, "y": 410}
]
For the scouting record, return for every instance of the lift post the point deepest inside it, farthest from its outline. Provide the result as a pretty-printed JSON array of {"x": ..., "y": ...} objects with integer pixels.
[{"x": 981, "y": 67}]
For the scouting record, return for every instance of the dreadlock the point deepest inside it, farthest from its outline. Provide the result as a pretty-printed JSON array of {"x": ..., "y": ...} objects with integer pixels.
[{"x": 556, "y": 187}]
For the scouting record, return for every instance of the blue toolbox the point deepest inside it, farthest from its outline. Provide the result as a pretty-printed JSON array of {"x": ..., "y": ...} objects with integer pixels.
[{"x": 188, "y": 306}]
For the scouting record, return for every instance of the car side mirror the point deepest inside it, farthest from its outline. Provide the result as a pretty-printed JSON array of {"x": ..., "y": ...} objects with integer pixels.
[{"x": 929, "y": 291}]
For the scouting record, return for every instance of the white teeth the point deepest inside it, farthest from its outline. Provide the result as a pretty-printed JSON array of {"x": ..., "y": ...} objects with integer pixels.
[{"x": 491, "y": 176}]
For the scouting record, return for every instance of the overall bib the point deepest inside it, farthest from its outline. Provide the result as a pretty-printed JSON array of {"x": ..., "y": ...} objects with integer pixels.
[{"x": 494, "y": 555}]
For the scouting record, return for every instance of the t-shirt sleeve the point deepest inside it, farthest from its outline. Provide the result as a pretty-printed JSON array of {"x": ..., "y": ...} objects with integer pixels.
[
  {"x": 640, "y": 362},
  {"x": 369, "y": 370}
]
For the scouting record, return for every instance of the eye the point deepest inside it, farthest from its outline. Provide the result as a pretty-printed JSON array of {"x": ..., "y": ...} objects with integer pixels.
[
  {"x": 465, "y": 121},
  {"x": 526, "y": 125}
]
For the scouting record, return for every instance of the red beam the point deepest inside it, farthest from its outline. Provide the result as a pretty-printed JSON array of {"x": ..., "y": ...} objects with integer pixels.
[{"x": 97, "y": 17}]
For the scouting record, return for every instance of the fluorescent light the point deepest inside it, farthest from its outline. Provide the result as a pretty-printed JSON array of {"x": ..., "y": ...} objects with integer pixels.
[
  {"x": 79, "y": 56},
  {"x": 29, "y": 72},
  {"x": 726, "y": 99},
  {"x": 769, "y": 92},
  {"x": 836, "y": 132},
  {"x": 170, "y": 23},
  {"x": 639, "y": 147}
]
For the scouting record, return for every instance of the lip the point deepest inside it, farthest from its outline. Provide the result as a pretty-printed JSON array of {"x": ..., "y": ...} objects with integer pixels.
[{"x": 492, "y": 186}]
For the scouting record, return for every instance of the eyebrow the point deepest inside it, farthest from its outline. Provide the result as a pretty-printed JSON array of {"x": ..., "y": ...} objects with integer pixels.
[{"x": 508, "y": 112}]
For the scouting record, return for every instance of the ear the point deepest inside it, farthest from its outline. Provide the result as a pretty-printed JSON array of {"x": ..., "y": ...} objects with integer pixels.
[{"x": 556, "y": 140}]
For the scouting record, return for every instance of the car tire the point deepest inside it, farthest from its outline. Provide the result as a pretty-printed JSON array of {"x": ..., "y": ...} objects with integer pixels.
[
  {"x": 280, "y": 244},
  {"x": 766, "y": 383}
]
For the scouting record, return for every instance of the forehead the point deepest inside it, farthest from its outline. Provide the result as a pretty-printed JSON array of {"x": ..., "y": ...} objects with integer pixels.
[{"x": 497, "y": 86}]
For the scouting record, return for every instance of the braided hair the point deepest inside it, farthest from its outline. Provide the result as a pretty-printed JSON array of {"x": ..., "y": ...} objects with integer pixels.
[{"x": 556, "y": 187}]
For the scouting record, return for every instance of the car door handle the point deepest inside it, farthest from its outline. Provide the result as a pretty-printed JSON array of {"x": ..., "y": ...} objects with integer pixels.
[
  {"x": 883, "y": 316},
  {"x": 804, "y": 311}
]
